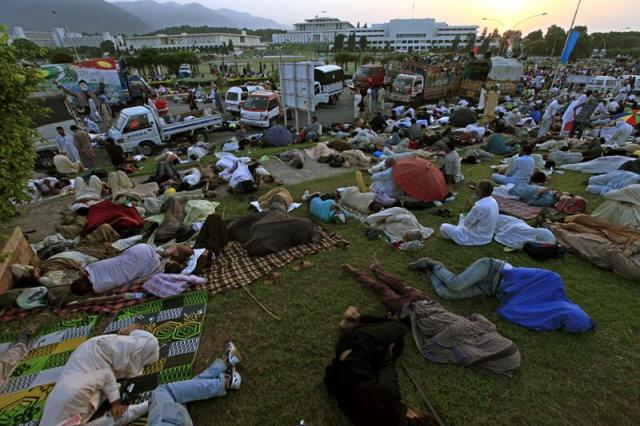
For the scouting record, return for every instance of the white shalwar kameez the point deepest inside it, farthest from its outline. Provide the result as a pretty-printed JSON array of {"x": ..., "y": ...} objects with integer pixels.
[{"x": 478, "y": 227}]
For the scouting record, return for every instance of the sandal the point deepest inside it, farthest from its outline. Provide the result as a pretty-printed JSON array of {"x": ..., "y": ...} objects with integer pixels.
[
  {"x": 273, "y": 277},
  {"x": 302, "y": 266}
]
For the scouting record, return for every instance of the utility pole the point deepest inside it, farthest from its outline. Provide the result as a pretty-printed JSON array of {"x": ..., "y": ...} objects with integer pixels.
[{"x": 566, "y": 42}]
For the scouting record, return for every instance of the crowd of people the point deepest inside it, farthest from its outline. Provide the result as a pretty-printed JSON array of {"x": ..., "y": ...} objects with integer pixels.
[{"x": 166, "y": 231}]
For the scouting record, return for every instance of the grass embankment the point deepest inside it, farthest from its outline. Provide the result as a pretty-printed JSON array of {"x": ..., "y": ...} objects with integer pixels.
[{"x": 590, "y": 378}]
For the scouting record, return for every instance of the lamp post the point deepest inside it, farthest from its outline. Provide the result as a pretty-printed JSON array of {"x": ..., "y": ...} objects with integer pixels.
[{"x": 513, "y": 27}]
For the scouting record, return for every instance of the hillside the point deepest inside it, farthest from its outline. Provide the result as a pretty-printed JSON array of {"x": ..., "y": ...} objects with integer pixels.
[
  {"x": 89, "y": 16},
  {"x": 171, "y": 14}
]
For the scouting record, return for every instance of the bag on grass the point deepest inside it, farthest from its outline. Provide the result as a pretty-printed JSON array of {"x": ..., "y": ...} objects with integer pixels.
[{"x": 542, "y": 251}]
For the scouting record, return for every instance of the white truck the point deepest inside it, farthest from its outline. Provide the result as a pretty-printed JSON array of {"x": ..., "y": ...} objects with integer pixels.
[
  {"x": 328, "y": 84},
  {"x": 141, "y": 128}
]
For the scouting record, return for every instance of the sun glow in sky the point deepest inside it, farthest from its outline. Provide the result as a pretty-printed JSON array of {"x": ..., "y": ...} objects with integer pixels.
[{"x": 597, "y": 15}]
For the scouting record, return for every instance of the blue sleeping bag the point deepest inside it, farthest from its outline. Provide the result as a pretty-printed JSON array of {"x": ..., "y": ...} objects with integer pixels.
[{"x": 535, "y": 299}]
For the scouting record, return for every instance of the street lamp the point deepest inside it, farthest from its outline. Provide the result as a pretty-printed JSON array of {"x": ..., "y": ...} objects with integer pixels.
[
  {"x": 526, "y": 19},
  {"x": 495, "y": 20}
]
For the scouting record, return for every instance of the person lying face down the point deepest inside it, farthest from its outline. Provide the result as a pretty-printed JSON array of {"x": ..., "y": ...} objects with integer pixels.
[
  {"x": 90, "y": 377},
  {"x": 102, "y": 276},
  {"x": 362, "y": 376}
]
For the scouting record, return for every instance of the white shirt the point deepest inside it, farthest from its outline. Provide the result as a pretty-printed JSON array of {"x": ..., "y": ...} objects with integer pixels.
[
  {"x": 452, "y": 166},
  {"x": 551, "y": 110},
  {"x": 240, "y": 174},
  {"x": 193, "y": 178},
  {"x": 478, "y": 227},
  {"x": 134, "y": 263}
]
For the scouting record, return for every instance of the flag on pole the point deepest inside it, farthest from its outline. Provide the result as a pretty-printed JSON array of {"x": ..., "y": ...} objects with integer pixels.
[{"x": 571, "y": 44}]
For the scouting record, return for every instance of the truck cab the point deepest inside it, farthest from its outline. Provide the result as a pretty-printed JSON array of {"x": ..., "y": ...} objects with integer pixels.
[
  {"x": 369, "y": 76},
  {"x": 406, "y": 88},
  {"x": 328, "y": 84},
  {"x": 237, "y": 95},
  {"x": 137, "y": 126},
  {"x": 261, "y": 109}
]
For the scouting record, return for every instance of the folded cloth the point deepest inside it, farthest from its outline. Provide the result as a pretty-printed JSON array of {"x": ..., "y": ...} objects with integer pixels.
[{"x": 167, "y": 285}]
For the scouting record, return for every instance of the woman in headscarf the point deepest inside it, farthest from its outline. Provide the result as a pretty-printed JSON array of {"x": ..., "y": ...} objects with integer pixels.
[{"x": 90, "y": 376}]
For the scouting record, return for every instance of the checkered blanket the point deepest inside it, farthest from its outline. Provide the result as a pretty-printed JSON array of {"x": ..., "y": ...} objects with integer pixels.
[
  {"x": 177, "y": 324},
  {"x": 519, "y": 209},
  {"x": 235, "y": 268},
  {"x": 23, "y": 395}
]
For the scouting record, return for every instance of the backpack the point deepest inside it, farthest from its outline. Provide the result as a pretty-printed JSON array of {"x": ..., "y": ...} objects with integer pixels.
[{"x": 544, "y": 251}]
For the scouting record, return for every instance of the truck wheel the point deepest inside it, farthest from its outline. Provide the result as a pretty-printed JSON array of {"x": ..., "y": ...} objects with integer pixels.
[
  {"x": 45, "y": 160},
  {"x": 147, "y": 148},
  {"x": 332, "y": 99},
  {"x": 200, "y": 136},
  {"x": 80, "y": 110},
  {"x": 447, "y": 96}
]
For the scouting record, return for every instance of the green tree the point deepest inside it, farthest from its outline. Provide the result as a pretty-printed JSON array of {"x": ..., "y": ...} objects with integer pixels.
[
  {"x": 484, "y": 47},
  {"x": 343, "y": 58},
  {"x": 471, "y": 42},
  {"x": 230, "y": 46},
  {"x": 60, "y": 56},
  {"x": 351, "y": 42},
  {"x": 363, "y": 43},
  {"x": 456, "y": 43},
  {"x": 108, "y": 46},
  {"x": 554, "y": 40},
  {"x": 534, "y": 36},
  {"x": 28, "y": 50},
  {"x": 368, "y": 59},
  {"x": 583, "y": 47},
  {"x": 338, "y": 42},
  {"x": 16, "y": 139}
]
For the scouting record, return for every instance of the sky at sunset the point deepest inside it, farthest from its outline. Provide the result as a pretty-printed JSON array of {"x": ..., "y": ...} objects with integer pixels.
[{"x": 597, "y": 15}]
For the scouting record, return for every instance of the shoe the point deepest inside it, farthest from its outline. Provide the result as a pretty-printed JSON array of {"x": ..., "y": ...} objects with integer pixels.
[
  {"x": 233, "y": 379},
  {"x": 306, "y": 195},
  {"x": 424, "y": 264},
  {"x": 232, "y": 354}
]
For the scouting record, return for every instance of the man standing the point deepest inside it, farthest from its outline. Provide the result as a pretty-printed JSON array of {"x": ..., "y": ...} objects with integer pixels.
[
  {"x": 381, "y": 94},
  {"x": 82, "y": 141},
  {"x": 357, "y": 100},
  {"x": 547, "y": 118},
  {"x": 66, "y": 146}
]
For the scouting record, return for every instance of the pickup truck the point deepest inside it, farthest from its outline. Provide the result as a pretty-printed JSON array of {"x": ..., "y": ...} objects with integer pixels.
[{"x": 140, "y": 128}]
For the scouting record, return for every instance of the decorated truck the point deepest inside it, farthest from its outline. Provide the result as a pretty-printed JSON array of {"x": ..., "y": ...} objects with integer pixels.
[
  {"x": 103, "y": 76},
  {"x": 418, "y": 82},
  {"x": 489, "y": 72}
]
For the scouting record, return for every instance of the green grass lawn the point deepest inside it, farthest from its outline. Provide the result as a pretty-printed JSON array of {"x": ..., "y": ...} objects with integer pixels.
[{"x": 591, "y": 378}]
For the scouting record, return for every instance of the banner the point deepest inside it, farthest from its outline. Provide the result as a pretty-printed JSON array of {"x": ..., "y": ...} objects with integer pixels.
[{"x": 571, "y": 44}]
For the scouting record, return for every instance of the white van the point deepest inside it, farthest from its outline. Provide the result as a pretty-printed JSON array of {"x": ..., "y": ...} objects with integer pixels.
[
  {"x": 262, "y": 109},
  {"x": 237, "y": 95},
  {"x": 603, "y": 84}
]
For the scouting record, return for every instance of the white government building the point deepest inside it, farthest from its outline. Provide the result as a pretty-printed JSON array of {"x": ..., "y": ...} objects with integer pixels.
[
  {"x": 59, "y": 37},
  {"x": 190, "y": 41},
  {"x": 397, "y": 34}
]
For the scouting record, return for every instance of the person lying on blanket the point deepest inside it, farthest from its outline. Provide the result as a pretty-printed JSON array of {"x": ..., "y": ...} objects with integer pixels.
[
  {"x": 324, "y": 208},
  {"x": 105, "y": 275},
  {"x": 536, "y": 195},
  {"x": 90, "y": 378},
  {"x": 529, "y": 297},
  {"x": 10, "y": 358},
  {"x": 166, "y": 406},
  {"x": 442, "y": 336}
]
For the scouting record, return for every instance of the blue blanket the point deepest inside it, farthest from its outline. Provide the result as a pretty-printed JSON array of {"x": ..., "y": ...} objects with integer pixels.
[{"x": 535, "y": 299}]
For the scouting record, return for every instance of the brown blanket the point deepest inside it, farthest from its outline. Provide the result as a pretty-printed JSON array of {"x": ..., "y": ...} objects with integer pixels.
[{"x": 270, "y": 232}]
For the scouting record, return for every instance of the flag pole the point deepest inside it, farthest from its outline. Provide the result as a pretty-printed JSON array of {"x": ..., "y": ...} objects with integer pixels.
[{"x": 566, "y": 42}]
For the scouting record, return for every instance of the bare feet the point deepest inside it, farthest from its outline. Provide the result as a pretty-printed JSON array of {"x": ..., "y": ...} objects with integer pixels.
[
  {"x": 273, "y": 277},
  {"x": 302, "y": 266},
  {"x": 375, "y": 264},
  {"x": 348, "y": 269}
]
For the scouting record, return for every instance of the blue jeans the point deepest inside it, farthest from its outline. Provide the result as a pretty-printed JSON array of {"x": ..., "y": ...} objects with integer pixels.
[
  {"x": 166, "y": 402},
  {"x": 481, "y": 278}
]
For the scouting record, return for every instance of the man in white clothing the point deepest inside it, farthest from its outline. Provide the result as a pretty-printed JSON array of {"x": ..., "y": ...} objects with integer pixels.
[
  {"x": 547, "y": 118},
  {"x": 479, "y": 226},
  {"x": 66, "y": 145}
]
